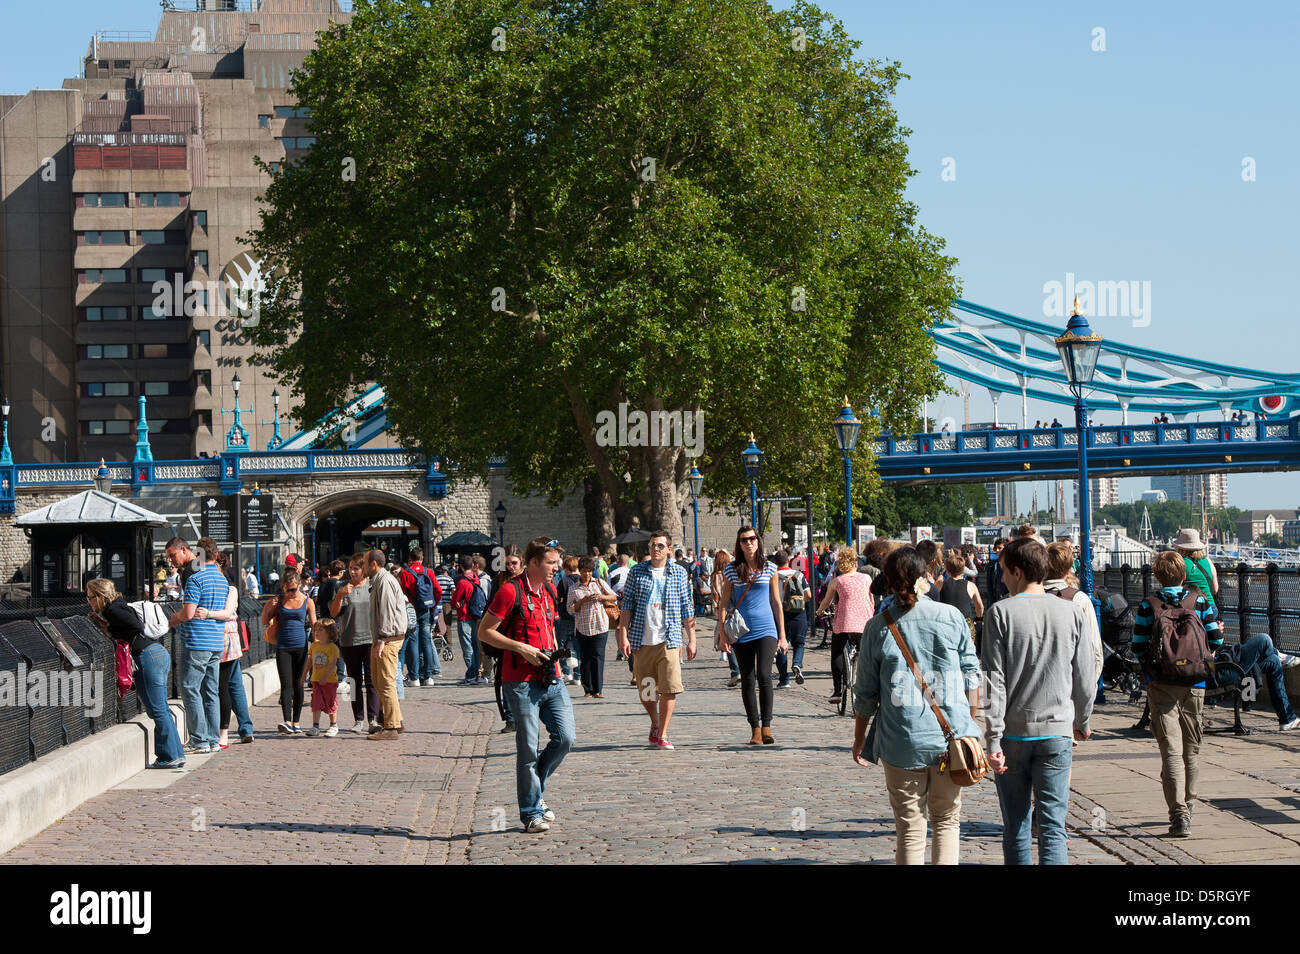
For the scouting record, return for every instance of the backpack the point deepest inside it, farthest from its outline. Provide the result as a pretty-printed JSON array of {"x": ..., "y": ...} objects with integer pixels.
[
  {"x": 424, "y": 589},
  {"x": 1179, "y": 650},
  {"x": 476, "y": 605},
  {"x": 496, "y": 652},
  {"x": 152, "y": 616},
  {"x": 792, "y": 600}
]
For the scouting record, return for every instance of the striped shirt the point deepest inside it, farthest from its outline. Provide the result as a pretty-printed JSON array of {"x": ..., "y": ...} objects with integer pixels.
[
  {"x": 208, "y": 589},
  {"x": 1145, "y": 618},
  {"x": 635, "y": 601},
  {"x": 590, "y": 620}
]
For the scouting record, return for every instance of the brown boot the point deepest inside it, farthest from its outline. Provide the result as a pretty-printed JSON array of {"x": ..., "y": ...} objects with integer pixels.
[
  {"x": 757, "y": 737},
  {"x": 767, "y": 736},
  {"x": 384, "y": 735}
]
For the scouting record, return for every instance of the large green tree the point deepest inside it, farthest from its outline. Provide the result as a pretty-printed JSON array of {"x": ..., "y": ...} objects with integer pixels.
[{"x": 520, "y": 214}]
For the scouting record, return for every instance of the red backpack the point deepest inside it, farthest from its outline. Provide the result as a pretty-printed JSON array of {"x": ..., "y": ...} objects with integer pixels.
[{"x": 1179, "y": 649}]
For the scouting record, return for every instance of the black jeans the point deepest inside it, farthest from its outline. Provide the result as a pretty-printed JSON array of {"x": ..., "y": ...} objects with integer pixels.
[
  {"x": 591, "y": 657},
  {"x": 755, "y": 660},
  {"x": 354, "y": 658},
  {"x": 289, "y": 663},
  {"x": 838, "y": 642}
]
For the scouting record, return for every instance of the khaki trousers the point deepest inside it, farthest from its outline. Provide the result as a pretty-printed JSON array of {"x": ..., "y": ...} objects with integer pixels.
[
  {"x": 1176, "y": 722},
  {"x": 385, "y": 667},
  {"x": 913, "y": 794}
]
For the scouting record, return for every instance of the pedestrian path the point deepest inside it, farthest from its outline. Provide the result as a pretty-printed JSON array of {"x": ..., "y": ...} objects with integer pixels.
[{"x": 445, "y": 792}]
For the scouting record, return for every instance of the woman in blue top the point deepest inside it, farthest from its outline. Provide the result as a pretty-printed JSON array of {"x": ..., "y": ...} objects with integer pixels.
[
  {"x": 908, "y": 741},
  {"x": 297, "y": 615},
  {"x": 751, "y": 585}
]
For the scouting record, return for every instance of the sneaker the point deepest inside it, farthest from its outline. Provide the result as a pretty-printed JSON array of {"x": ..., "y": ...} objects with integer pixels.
[
  {"x": 482, "y": 681},
  {"x": 654, "y": 735},
  {"x": 507, "y": 728},
  {"x": 798, "y": 674},
  {"x": 537, "y": 826},
  {"x": 361, "y": 728},
  {"x": 428, "y": 682},
  {"x": 313, "y": 731},
  {"x": 198, "y": 749},
  {"x": 173, "y": 764},
  {"x": 222, "y": 746},
  {"x": 244, "y": 739},
  {"x": 285, "y": 728},
  {"x": 331, "y": 732},
  {"x": 1181, "y": 826},
  {"x": 663, "y": 743},
  {"x": 1288, "y": 726},
  {"x": 297, "y": 730},
  {"x": 546, "y": 812},
  {"x": 782, "y": 685},
  {"x": 835, "y": 697},
  {"x": 733, "y": 682},
  {"x": 411, "y": 683},
  {"x": 1288, "y": 660}
]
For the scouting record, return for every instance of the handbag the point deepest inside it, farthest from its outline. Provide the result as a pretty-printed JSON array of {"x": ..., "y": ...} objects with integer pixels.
[
  {"x": 272, "y": 630},
  {"x": 734, "y": 625},
  {"x": 964, "y": 761},
  {"x": 611, "y": 611}
]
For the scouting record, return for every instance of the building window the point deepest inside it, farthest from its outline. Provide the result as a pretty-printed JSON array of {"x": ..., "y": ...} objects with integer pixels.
[
  {"x": 151, "y": 199},
  {"x": 121, "y": 64},
  {"x": 201, "y": 219},
  {"x": 153, "y": 351},
  {"x": 284, "y": 112},
  {"x": 201, "y": 259},
  {"x": 203, "y": 379},
  {"x": 264, "y": 121},
  {"x": 104, "y": 313},
  {"x": 306, "y": 142},
  {"x": 106, "y": 389},
  {"x": 275, "y": 168},
  {"x": 203, "y": 418},
  {"x": 108, "y": 276},
  {"x": 150, "y": 275},
  {"x": 98, "y": 428},
  {"x": 204, "y": 339},
  {"x": 157, "y": 388},
  {"x": 96, "y": 352},
  {"x": 102, "y": 200},
  {"x": 102, "y": 238},
  {"x": 159, "y": 311}
]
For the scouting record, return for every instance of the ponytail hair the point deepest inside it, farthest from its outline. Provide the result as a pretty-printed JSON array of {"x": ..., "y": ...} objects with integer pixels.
[{"x": 904, "y": 570}]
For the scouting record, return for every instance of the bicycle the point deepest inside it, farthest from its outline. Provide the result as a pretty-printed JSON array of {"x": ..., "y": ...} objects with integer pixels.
[{"x": 850, "y": 677}]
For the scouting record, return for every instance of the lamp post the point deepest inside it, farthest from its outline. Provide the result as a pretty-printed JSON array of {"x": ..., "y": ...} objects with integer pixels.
[
  {"x": 236, "y": 437},
  {"x": 276, "y": 439},
  {"x": 753, "y": 458},
  {"x": 6, "y": 456},
  {"x": 696, "y": 483},
  {"x": 1079, "y": 348},
  {"x": 311, "y": 558},
  {"x": 846, "y": 427},
  {"x": 332, "y": 519},
  {"x": 501, "y": 522},
  {"x": 103, "y": 480}
]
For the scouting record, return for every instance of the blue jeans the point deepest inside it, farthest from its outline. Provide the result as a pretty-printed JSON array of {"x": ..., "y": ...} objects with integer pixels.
[
  {"x": 1040, "y": 769},
  {"x": 732, "y": 664},
  {"x": 530, "y": 704},
  {"x": 421, "y": 661},
  {"x": 792, "y": 657},
  {"x": 233, "y": 698},
  {"x": 1260, "y": 651},
  {"x": 199, "y": 677},
  {"x": 155, "y": 665},
  {"x": 465, "y": 628}
]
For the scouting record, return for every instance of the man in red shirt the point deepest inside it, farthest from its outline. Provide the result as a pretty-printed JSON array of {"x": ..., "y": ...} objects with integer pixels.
[
  {"x": 521, "y": 622},
  {"x": 463, "y": 599},
  {"x": 422, "y": 589}
]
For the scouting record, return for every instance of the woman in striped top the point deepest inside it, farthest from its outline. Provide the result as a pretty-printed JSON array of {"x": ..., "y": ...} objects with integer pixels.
[
  {"x": 751, "y": 586},
  {"x": 587, "y": 601}
]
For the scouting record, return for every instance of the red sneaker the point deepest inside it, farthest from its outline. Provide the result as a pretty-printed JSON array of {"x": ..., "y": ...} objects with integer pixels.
[
  {"x": 663, "y": 743},
  {"x": 654, "y": 735}
]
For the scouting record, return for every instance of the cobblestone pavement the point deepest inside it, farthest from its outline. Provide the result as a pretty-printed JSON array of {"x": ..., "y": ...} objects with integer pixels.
[{"x": 445, "y": 792}]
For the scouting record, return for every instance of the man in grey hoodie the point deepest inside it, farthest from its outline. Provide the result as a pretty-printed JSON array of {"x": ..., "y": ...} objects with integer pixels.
[{"x": 1037, "y": 657}]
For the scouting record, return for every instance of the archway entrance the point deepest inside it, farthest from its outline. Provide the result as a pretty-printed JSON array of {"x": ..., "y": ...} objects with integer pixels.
[{"x": 355, "y": 520}]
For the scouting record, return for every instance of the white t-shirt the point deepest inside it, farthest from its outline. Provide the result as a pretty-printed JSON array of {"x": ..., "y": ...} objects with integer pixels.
[
  {"x": 617, "y": 577},
  {"x": 656, "y": 630}
]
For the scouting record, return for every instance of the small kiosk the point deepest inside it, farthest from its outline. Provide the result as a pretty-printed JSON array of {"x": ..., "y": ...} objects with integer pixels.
[{"x": 87, "y": 535}]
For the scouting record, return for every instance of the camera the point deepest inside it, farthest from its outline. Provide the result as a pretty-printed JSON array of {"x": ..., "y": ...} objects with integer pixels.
[{"x": 552, "y": 656}]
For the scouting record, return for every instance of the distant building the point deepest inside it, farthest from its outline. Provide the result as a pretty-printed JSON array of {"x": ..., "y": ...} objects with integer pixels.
[
  {"x": 1154, "y": 496},
  {"x": 1001, "y": 499},
  {"x": 1254, "y": 524},
  {"x": 1291, "y": 533},
  {"x": 1187, "y": 488},
  {"x": 1103, "y": 492}
]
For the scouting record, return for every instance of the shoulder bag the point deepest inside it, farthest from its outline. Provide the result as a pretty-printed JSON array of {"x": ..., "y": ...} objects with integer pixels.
[
  {"x": 965, "y": 761},
  {"x": 734, "y": 626},
  {"x": 271, "y": 631},
  {"x": 611, "y": 611}
]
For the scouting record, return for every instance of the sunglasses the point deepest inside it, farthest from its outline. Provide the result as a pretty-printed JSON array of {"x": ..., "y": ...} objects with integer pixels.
[
  {"x": 749, "y": 539},
  {"x": 658, "y": 546}
]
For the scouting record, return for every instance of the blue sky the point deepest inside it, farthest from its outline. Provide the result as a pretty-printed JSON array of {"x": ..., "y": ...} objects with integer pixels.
[{"x": 1117, "y": 165}]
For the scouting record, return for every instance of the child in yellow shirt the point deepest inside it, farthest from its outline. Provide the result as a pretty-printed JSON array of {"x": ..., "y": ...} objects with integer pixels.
[{"x": 327, "y": 670}]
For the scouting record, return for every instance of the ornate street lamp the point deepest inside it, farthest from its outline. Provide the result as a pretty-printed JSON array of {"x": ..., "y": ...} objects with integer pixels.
[
  {"x": 311, "y": 559},
  {"x": 846, "y": 427},
  {"x": 696, "y": 482},
  {"x": 1080, "y": 348},
  {"x": 753, "y": 458},
  {"x": 501, "y": 522}
]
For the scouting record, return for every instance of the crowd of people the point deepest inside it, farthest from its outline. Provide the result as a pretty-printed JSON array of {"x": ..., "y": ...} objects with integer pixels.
[{"x": 1020, "y": 668}]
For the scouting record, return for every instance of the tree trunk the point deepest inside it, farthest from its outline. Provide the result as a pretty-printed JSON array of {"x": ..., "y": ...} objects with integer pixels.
[{"x": 599, "y": 509}]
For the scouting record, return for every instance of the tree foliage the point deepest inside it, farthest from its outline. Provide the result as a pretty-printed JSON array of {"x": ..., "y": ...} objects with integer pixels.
[
  {"x": 647, "y": 192},
  {"x": 1169, "y": 517}
]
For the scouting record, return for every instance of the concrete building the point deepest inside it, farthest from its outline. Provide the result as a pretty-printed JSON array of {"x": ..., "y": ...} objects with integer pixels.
[
  {"x": 1001, "y": 499},
  {"x": 124, "y": 196},
  {"x": 1103, "y": 491},
  {"x": 1187, "y": 488},
  {"x": 1154, "y": 496}
]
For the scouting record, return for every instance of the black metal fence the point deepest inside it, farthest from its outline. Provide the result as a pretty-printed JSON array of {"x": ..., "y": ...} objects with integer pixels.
[
  {"x": 46, "y": 703},
  {"x": 1251, "y": 599}
]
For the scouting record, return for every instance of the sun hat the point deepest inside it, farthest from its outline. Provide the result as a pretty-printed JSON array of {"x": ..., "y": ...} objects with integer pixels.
[{"x": 1189, "y": 540}]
